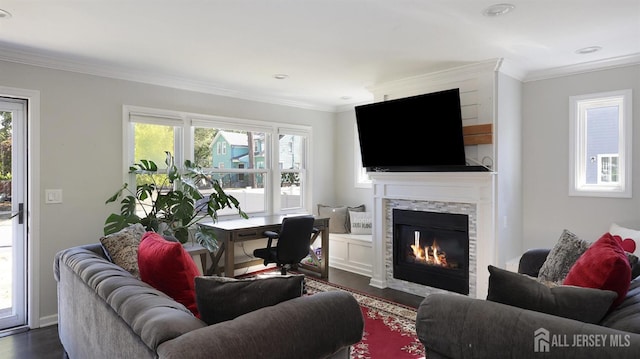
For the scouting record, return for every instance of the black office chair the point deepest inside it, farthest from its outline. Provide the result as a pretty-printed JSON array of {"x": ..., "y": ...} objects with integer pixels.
[{"x": 294, "y": 240}]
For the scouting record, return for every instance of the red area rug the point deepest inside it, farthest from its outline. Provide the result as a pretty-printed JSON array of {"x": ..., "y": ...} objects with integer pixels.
[{"x": 389, "y": 328}]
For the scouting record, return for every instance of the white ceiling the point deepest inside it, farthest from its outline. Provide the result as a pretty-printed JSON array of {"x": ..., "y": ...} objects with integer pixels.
[{"x": 330, "y": 49}]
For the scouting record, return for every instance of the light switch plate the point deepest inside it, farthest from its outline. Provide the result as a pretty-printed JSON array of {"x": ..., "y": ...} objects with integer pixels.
[{"x": 52, "y": 196}]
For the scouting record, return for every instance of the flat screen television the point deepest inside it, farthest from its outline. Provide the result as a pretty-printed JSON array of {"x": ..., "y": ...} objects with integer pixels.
[{"x": 420, "y": 133}]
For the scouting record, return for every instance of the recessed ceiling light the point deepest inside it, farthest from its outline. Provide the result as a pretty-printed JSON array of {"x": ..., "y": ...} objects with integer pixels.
[
  {"x": 4, "y": 14},
  {"x": 588, "y": 50},
  {"x": 498, "y": 10},
  {"x": 280, "y": 76},
  {"x": 345, "y": 97}
]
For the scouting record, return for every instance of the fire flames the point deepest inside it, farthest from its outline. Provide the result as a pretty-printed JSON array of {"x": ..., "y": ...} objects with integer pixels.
[{"x": 432, "y": 254}]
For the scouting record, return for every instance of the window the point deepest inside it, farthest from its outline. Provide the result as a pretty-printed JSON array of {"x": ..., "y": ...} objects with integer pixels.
[
  {"x": 600, "y": 151},
  {"x": 263, "y": 165}
]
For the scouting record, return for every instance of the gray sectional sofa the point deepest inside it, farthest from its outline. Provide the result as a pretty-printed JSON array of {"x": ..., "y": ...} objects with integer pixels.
[
  {"x": 456, "y": 326},
  {"x": 105, "y": 312}
]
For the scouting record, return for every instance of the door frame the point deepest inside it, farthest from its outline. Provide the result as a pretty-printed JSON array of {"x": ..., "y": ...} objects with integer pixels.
[{"x": 33, "y": 201}]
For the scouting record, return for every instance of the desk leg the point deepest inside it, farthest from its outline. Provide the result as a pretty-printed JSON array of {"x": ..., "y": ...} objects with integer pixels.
[
  {"x": 324, "y": 263},
  {"x": 215, "y": 261},
  {"x": 229, "y": 259}
]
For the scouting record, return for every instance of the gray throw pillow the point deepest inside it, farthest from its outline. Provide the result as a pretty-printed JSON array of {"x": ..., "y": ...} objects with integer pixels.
[
  {"x": 221, "y": 298},
  {"x": 338, "y": 216},
  {"x": 584, "y": 304},
  {"x": 635, "y": 265},
  {"x": 562, "y": 256}
]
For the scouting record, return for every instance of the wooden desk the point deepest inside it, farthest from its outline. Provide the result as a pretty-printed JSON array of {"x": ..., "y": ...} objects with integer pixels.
[
  {"x": 239, "y": 230},
  {"x": 195, "y": 249}
]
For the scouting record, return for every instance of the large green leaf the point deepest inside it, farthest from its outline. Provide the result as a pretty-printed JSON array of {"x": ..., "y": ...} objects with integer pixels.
[
  {"x": 117, "y": 222},
  {"x": 117, "y": 194},
  {"x": 182, "y": 234},
  {"x": 128, "y": 206}
]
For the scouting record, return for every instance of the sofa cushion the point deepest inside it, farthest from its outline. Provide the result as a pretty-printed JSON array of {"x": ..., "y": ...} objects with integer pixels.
[
  {"x": 122, "y": 247},
  {"x": 222, "y": 298},
  {"x": 518, "y": 290},
  {"x": 603, "y": 266},
  {"x": 626, "y": 316},
  {"x": 562, "y": 256},
  {"x": 168, "y": 267}
]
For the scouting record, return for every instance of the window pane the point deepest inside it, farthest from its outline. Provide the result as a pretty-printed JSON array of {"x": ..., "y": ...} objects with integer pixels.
[
  {"x": 151, "y": 142},
  {"x": 602, "y": 138},
  {"x": 290, "y": 189},
  {"x": 202, "y": 139},
  {"x": 157, "y": 180},
  {"x": 291, "y": 151},
  {"x": 252, "y": 198},
  {"x": 222, "y": 149},
  {"x": 236, "y": 149},
  {"x": 291, "y": 161}
]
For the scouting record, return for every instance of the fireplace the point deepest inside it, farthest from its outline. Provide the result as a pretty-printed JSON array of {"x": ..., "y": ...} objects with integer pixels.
[{"x": 432, "y": 249}]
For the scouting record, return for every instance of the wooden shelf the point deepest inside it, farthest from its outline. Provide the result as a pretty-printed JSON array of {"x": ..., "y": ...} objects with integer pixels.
[{"x": 478, "y": 134}]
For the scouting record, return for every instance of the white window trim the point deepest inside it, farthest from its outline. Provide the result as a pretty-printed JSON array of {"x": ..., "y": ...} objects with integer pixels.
[
  {"x": 577, "y": 171},
  {"x": 185, "y": 122}
]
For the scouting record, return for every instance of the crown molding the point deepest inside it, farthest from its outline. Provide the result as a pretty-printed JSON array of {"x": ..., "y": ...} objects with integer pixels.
[
  {"x": 56, "y": 61},
  {"x": 93, "y": 67},
  {"x": 610, "y": 63}
]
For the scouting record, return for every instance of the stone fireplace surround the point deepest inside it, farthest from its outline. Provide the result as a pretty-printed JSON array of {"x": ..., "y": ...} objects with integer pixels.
[{"x": 469, "y": 193}]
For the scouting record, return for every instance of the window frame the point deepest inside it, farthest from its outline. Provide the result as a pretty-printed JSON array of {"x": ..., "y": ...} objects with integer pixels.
[
  {"x": 184, "y": 124},
  {"x": 578, "y": 106}
]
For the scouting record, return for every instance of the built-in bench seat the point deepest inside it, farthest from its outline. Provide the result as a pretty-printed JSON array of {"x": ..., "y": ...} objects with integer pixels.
[{"x": 351, "y": 252}]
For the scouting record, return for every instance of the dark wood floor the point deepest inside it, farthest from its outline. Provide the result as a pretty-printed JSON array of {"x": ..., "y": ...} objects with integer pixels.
[{"x": 43, "y": 343}]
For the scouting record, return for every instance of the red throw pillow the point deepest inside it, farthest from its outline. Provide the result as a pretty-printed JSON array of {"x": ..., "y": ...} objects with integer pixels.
[
  {"x": 168, "y": 267},
  {"x": 603, "y": 266}
]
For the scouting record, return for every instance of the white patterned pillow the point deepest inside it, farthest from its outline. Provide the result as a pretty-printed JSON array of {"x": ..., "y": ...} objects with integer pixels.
[
  {"x": 122, "y": 247},
  {"x": 360, "y": 222}
]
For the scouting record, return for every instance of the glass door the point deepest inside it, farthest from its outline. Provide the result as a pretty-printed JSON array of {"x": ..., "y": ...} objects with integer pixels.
[{"x": 13, "y": 233}]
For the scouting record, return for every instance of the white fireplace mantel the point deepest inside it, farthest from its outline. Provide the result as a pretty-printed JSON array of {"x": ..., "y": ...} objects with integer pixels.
[{"x": 410, "y": 189}]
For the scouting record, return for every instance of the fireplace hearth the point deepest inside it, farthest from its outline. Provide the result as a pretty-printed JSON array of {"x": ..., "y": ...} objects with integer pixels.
[{"x": 432, "y": 249}]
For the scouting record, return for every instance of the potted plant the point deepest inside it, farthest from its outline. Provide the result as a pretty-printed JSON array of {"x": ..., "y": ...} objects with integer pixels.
[{"x": 170, "y": 203}]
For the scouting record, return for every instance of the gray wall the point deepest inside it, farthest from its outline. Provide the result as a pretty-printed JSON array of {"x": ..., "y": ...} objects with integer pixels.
[
  {"x": 548, "y": 209},
  {"x": 345, "y": 151},
  {"x": 508, "y": 150},
  {"x": 81, "y": 150}
]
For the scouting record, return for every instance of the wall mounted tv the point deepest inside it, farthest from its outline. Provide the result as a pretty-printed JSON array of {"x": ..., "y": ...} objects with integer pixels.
[{"x": 421, "y": 133}]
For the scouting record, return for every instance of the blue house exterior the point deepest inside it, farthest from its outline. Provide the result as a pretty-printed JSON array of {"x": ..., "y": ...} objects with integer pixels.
[{"x": 231, "y": 150}]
